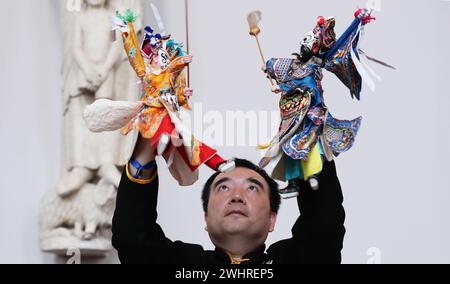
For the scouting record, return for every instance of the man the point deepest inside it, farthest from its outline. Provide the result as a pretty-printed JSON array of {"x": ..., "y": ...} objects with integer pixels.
[{"x": 240, "y": 210}]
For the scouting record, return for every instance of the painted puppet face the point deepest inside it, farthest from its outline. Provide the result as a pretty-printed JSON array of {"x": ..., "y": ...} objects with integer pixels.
[
  {"x": 309, "y": 45},
  {"x": 321, "y": 39}
]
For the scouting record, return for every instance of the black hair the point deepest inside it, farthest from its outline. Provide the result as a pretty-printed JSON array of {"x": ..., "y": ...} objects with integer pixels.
[{"x": 274, "y": 195}]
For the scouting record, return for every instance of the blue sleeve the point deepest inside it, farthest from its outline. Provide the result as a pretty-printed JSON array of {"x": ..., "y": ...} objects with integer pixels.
[{"x": 340, "y": 62}]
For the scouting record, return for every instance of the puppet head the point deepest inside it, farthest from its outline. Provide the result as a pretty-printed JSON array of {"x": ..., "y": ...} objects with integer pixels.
[
  {"x": 152, "y": 43},
  {"x": 318, "y": 41}
]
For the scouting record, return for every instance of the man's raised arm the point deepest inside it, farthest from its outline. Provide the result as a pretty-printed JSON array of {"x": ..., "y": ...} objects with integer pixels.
[
  {"x": 318, "y": 233},
  {"x": 136, "y": 235}
]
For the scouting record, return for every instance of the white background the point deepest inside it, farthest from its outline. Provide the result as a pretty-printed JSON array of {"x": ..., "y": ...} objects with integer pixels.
[{"x": 394, "y": 179}]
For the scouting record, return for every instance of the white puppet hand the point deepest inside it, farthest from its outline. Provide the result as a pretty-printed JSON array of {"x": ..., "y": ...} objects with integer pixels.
[
  {"x": 171, "y": 100},
  {"x": 365, "y": 15},
  {"x": 264, "y": 68},
  {"x": 276, "y": 89}
]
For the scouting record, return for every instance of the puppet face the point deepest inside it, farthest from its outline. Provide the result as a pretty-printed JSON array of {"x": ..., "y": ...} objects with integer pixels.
[
  {"x": 155, "y": 55},
  {"x": 319, "y": 40},
  {"x": 309, "y": 46},
  {"x": 153, "y": 43},
  {"x": 156, "y": 43}
]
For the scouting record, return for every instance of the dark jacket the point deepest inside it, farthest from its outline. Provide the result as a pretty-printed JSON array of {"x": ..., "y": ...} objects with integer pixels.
[{"x": 317, "y": 235}]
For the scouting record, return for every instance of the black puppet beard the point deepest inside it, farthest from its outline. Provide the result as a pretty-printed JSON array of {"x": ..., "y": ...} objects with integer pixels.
[{"x": 305, "y": 53}]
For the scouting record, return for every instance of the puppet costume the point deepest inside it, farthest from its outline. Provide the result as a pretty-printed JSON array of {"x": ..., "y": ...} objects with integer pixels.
[
  {"x": 308, "y": 133},
  {"x": 159, "y": 63}
]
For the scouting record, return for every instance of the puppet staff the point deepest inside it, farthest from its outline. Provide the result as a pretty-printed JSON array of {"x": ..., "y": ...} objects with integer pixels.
[
  {"x": 253, "y": 19},
  {"x": 186, "y": 5}
]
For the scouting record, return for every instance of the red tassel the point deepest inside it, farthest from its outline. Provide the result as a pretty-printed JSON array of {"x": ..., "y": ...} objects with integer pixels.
[{"x": 320, "y": 20}]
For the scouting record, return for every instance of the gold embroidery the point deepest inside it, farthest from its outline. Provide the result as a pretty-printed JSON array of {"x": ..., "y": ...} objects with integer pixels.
[{"x": 236, "y": 260}]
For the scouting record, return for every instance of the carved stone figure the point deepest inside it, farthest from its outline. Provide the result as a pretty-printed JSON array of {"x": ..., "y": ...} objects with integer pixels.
[{"x": 78, "y": 211}]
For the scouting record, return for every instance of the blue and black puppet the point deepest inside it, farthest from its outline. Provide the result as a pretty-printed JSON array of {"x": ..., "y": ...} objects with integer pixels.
[{"x": 308, "y": 133}]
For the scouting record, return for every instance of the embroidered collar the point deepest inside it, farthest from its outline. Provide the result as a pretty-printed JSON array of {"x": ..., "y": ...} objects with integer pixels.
[{"x": 252, "y": 257}]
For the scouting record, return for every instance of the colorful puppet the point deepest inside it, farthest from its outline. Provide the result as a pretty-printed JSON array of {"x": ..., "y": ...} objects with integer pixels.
[
  {"x": 308, "y": 133},
  {"x": 159, "y": 62}
]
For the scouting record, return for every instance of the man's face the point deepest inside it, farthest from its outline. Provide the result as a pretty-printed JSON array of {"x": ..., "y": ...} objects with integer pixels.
[{"x": 239, "y": 205}]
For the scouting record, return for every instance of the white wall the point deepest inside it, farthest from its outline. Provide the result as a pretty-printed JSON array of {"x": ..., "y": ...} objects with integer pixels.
[
  {"x": 394, "y": 179},
  {"x": 30, "y": 123}
]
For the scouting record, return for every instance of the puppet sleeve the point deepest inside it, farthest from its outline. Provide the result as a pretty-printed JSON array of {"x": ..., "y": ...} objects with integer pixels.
[
  {"x": 278, "y": 69},
  {"x": 177, "y": 65},
  {"x": 180, "y": 86},
  {"x": 125, "y": 24},
  {"x": 343, "y": 58}
]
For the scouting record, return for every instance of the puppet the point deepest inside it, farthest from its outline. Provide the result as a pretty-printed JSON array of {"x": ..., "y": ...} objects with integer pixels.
[
  {"x": 308, "y": 133},
  {"x": 160, "y": 64}
]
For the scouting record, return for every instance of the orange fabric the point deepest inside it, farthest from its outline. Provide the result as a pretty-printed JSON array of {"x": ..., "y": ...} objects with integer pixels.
[
  {"x": 149, "y": 119},
  {"x": 133, "y": 50}
]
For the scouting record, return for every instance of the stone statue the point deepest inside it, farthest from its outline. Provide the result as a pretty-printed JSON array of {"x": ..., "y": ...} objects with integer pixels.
[{"x": 78, "y": 211}]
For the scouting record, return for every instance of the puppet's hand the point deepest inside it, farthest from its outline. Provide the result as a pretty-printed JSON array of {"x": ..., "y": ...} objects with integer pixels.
[
  {"x": 276, "y": 89},
  {"x": 364, "y": 15},
  {"x": 187, "y": 59},
  {"x": 264, "y": 68},
  {"x": 171, "y": 100},
  {"x": 188, "y": 93}
]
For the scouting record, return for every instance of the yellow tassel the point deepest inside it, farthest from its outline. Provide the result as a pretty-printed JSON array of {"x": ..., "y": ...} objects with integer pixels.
[{"x": 263, "y": 146}]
